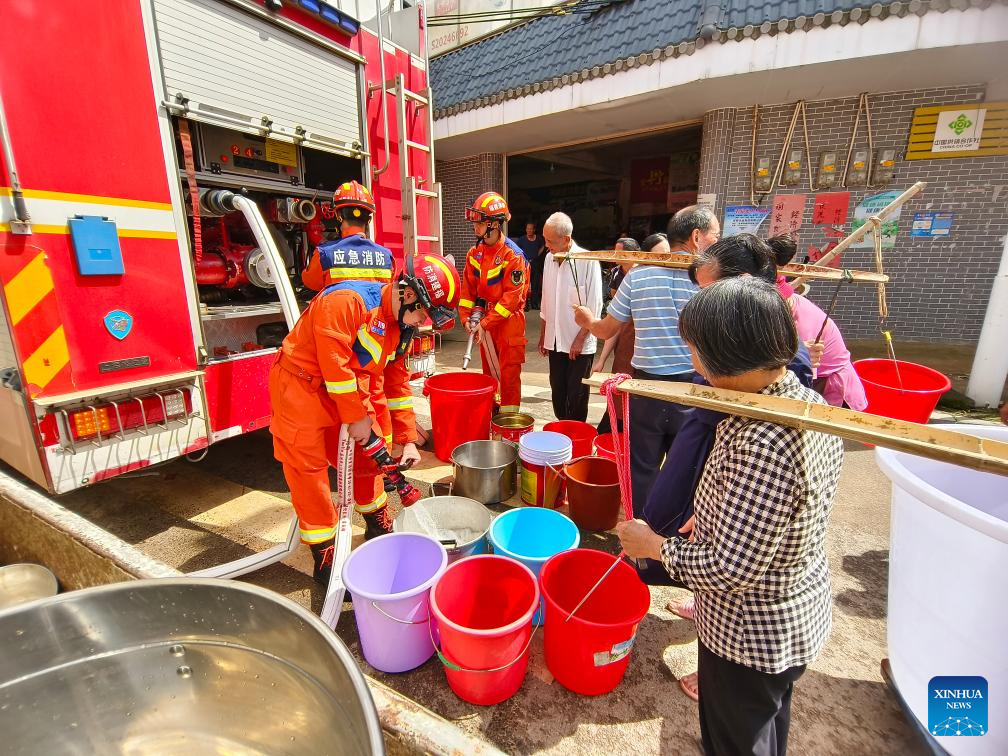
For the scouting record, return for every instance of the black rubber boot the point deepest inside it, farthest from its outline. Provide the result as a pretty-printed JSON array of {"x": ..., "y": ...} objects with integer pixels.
[
  {"x": 322, "y": 553},
  {"x": 377, "y": 523}
]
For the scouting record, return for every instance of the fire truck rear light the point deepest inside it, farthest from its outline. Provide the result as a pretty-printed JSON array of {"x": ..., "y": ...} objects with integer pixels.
[
  {"x": 88, "y": 423},
  {"x": 174, "y": 406},
  {"x": 311, "y": 5},
  {"x": 146, "y": 414}
]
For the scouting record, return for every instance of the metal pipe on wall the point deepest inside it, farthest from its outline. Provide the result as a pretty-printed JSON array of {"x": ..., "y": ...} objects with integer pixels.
[
  {"x": 384, "y": 92},
  {"x": 21, "y": 222}
]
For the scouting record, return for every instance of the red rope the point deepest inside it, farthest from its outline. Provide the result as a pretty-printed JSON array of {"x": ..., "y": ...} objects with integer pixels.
[{"x": 621, "y": 440}]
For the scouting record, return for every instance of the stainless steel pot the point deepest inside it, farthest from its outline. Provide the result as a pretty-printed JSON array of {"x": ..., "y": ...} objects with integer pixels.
[
  {"x": 179, "y": 666},
  {"x": 485, "y": 470}
]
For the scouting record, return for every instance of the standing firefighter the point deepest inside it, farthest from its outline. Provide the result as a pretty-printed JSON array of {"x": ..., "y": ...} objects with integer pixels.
[
  {"x": 345, "y": 363},
  {"x": 495, "y": 284}
]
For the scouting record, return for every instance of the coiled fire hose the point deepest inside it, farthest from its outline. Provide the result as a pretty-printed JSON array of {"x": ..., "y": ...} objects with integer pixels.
[{"x": 376, "y": 449}]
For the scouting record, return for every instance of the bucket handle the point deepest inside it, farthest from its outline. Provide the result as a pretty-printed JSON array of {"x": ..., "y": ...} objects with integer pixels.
[
  {"x": 562, "y": 472},
  {"x": 453, "y": 666},
  {"x": 401, "y": 621}
]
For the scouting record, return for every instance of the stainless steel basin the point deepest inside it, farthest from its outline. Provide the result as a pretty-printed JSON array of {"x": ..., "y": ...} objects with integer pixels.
[
  {"x": 20, "y": 583},
  {"x": 460, "y": 524},
  {"x": 179, "y": 666},
  {"x": 486, "y": 471}
]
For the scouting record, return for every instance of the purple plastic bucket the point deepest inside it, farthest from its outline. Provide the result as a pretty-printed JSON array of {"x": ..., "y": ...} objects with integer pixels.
[{"x": 390, "y": 579}]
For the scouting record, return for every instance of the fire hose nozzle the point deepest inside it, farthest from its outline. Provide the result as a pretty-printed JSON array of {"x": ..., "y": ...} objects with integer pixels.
[
  {"x": 474, "y": 320},
  {"x": 376, "y": 449}
]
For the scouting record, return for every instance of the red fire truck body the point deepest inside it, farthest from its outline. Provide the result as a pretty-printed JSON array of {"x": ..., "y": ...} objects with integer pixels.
[{"x": 137, "y": 328}]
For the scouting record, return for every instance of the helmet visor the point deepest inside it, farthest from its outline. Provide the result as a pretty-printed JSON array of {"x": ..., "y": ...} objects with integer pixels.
[{"x": 474, "y": 216}]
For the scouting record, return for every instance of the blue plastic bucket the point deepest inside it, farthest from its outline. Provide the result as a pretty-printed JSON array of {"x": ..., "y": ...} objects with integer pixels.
[{"x": 531, "y": 535}]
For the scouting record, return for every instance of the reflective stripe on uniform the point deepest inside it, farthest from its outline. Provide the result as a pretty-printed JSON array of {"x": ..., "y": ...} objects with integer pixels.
[
  {"x": 400, "y": 403},
  {"x": 318, "y": 535},
  {"x": 466, "y": 303},
  {"x": 383, "y": 274},
  {"x": 494, "y": 272},
  {"x": 374, "y": 505},
  {"x": 501, "y": 310},
  {"x": 341, "y": 387},
  {"x": 367, "y": 341},
  {"x": 474, "y": 263}
]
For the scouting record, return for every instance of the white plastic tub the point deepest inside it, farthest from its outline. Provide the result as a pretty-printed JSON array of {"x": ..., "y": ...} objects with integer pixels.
[{"x": 948, "y": 583}]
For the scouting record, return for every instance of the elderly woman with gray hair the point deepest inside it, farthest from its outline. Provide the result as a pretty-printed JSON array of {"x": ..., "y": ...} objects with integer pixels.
[{"x": 756, "y": 559}]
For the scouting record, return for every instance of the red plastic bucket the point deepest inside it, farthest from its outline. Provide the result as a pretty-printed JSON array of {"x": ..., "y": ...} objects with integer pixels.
[
  {"x": 911, "y": 395},
  {"x": 484, "y": 607},
  {"x": 604, "y": 446},
  {"x": 590, "y": 653},
  {"x": 461, "y": 407},
  {"x": 580, "y": 434}
]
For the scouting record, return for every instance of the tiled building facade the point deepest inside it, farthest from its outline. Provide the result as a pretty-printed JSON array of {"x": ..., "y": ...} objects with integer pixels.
[
  {"x": 462, "y": 181},
  {"x": 939, "y": 287}
]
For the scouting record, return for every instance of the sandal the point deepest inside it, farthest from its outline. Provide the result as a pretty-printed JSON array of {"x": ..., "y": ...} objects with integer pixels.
[
  {"x": 690, "y": 685},
  {"x": 685, "y": 608}
]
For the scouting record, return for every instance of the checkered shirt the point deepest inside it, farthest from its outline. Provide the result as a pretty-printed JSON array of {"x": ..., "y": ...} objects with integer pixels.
[{"x": 758, "y": 564}]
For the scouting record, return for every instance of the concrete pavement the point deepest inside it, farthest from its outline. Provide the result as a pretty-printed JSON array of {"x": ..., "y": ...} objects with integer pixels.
[{"x": 235, "y": 501}]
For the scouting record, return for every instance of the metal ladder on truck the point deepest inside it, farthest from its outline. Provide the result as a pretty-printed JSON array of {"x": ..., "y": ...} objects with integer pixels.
[{"x": 413, "y": 191}]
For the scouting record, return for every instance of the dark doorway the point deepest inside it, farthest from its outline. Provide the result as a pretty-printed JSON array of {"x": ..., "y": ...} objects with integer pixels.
[{"x": 608, "y": 187}]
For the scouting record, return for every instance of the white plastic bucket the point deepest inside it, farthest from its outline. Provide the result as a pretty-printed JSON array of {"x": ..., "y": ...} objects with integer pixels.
[
  {"x": 541, "y": 454},
  {"x": 948, "y": 614}
]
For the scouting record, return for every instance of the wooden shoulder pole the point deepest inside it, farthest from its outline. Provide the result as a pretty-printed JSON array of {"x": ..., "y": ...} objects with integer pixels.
[
  {"x": 929, "y": 441},
  {"x": 860, "y": 233},
  {"x": 682, "y": 262}
]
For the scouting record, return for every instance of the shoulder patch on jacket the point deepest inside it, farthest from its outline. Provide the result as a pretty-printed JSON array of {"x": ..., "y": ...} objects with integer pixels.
[{"x": 517, "y": 276}]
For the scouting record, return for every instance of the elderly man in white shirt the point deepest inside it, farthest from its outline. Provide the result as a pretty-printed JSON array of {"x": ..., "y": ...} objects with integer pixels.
[{"x": 570, "y": 348}]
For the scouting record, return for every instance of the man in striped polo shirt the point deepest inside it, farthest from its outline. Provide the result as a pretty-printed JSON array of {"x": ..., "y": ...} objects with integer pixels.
[{"x": 652, "y": 297}]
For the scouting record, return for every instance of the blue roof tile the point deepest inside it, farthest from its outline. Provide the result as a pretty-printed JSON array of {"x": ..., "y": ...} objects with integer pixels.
[{"x": 551, "y": 46}]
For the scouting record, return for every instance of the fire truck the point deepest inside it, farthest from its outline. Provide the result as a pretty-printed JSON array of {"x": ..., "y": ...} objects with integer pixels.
[{"x": 166, "y": 169}]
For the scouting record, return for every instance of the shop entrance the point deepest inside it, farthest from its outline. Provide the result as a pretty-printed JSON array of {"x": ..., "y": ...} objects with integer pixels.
[{"x": 630, "y": 185}]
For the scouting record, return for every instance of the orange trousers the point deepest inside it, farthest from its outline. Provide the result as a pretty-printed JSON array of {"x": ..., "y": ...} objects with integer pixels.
[
  {"x": 306, "y": 430},
  {"x": 509, "y": 346}
]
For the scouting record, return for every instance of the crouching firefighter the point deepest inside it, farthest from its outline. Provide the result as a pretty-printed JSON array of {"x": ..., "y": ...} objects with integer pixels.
[
  {"x": 495, "y": 284},
  {"x": 344, "y": 363}
]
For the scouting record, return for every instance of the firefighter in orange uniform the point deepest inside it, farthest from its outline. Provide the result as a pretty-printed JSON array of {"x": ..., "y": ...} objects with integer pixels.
[
  {"x": 345, "y": 363},
  {"x": 496, "y": 280}
]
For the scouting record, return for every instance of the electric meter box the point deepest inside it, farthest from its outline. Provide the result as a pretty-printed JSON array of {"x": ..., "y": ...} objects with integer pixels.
[
  {"x": 857, "y": 171},
  {"x": 793, "y": 167},
  {"x": 762, "y": 177},
  {"x": 827, "y": 175},
  {"x": 885, "y": 166}
]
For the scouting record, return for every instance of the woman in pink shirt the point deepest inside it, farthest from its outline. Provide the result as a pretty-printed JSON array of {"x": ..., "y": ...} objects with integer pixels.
[
  {"x": 745, "y": 254},
  {"x": 840, "y": 382}
]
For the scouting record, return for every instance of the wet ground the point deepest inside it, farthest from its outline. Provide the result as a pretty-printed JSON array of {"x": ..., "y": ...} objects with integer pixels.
[{"x": 235, "y": 501}]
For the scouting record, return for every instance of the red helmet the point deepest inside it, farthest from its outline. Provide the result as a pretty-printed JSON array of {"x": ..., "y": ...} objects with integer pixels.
[
  {"x": 437, "y": 286},
  {"x": 489, "y": 206},
  {"x": 352, "y": 194}
]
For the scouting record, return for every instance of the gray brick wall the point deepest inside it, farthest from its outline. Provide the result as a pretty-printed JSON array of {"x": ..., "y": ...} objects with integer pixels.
[
  {"x": 462, "y": 181},
  {"x": 939, "y": 288}
]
